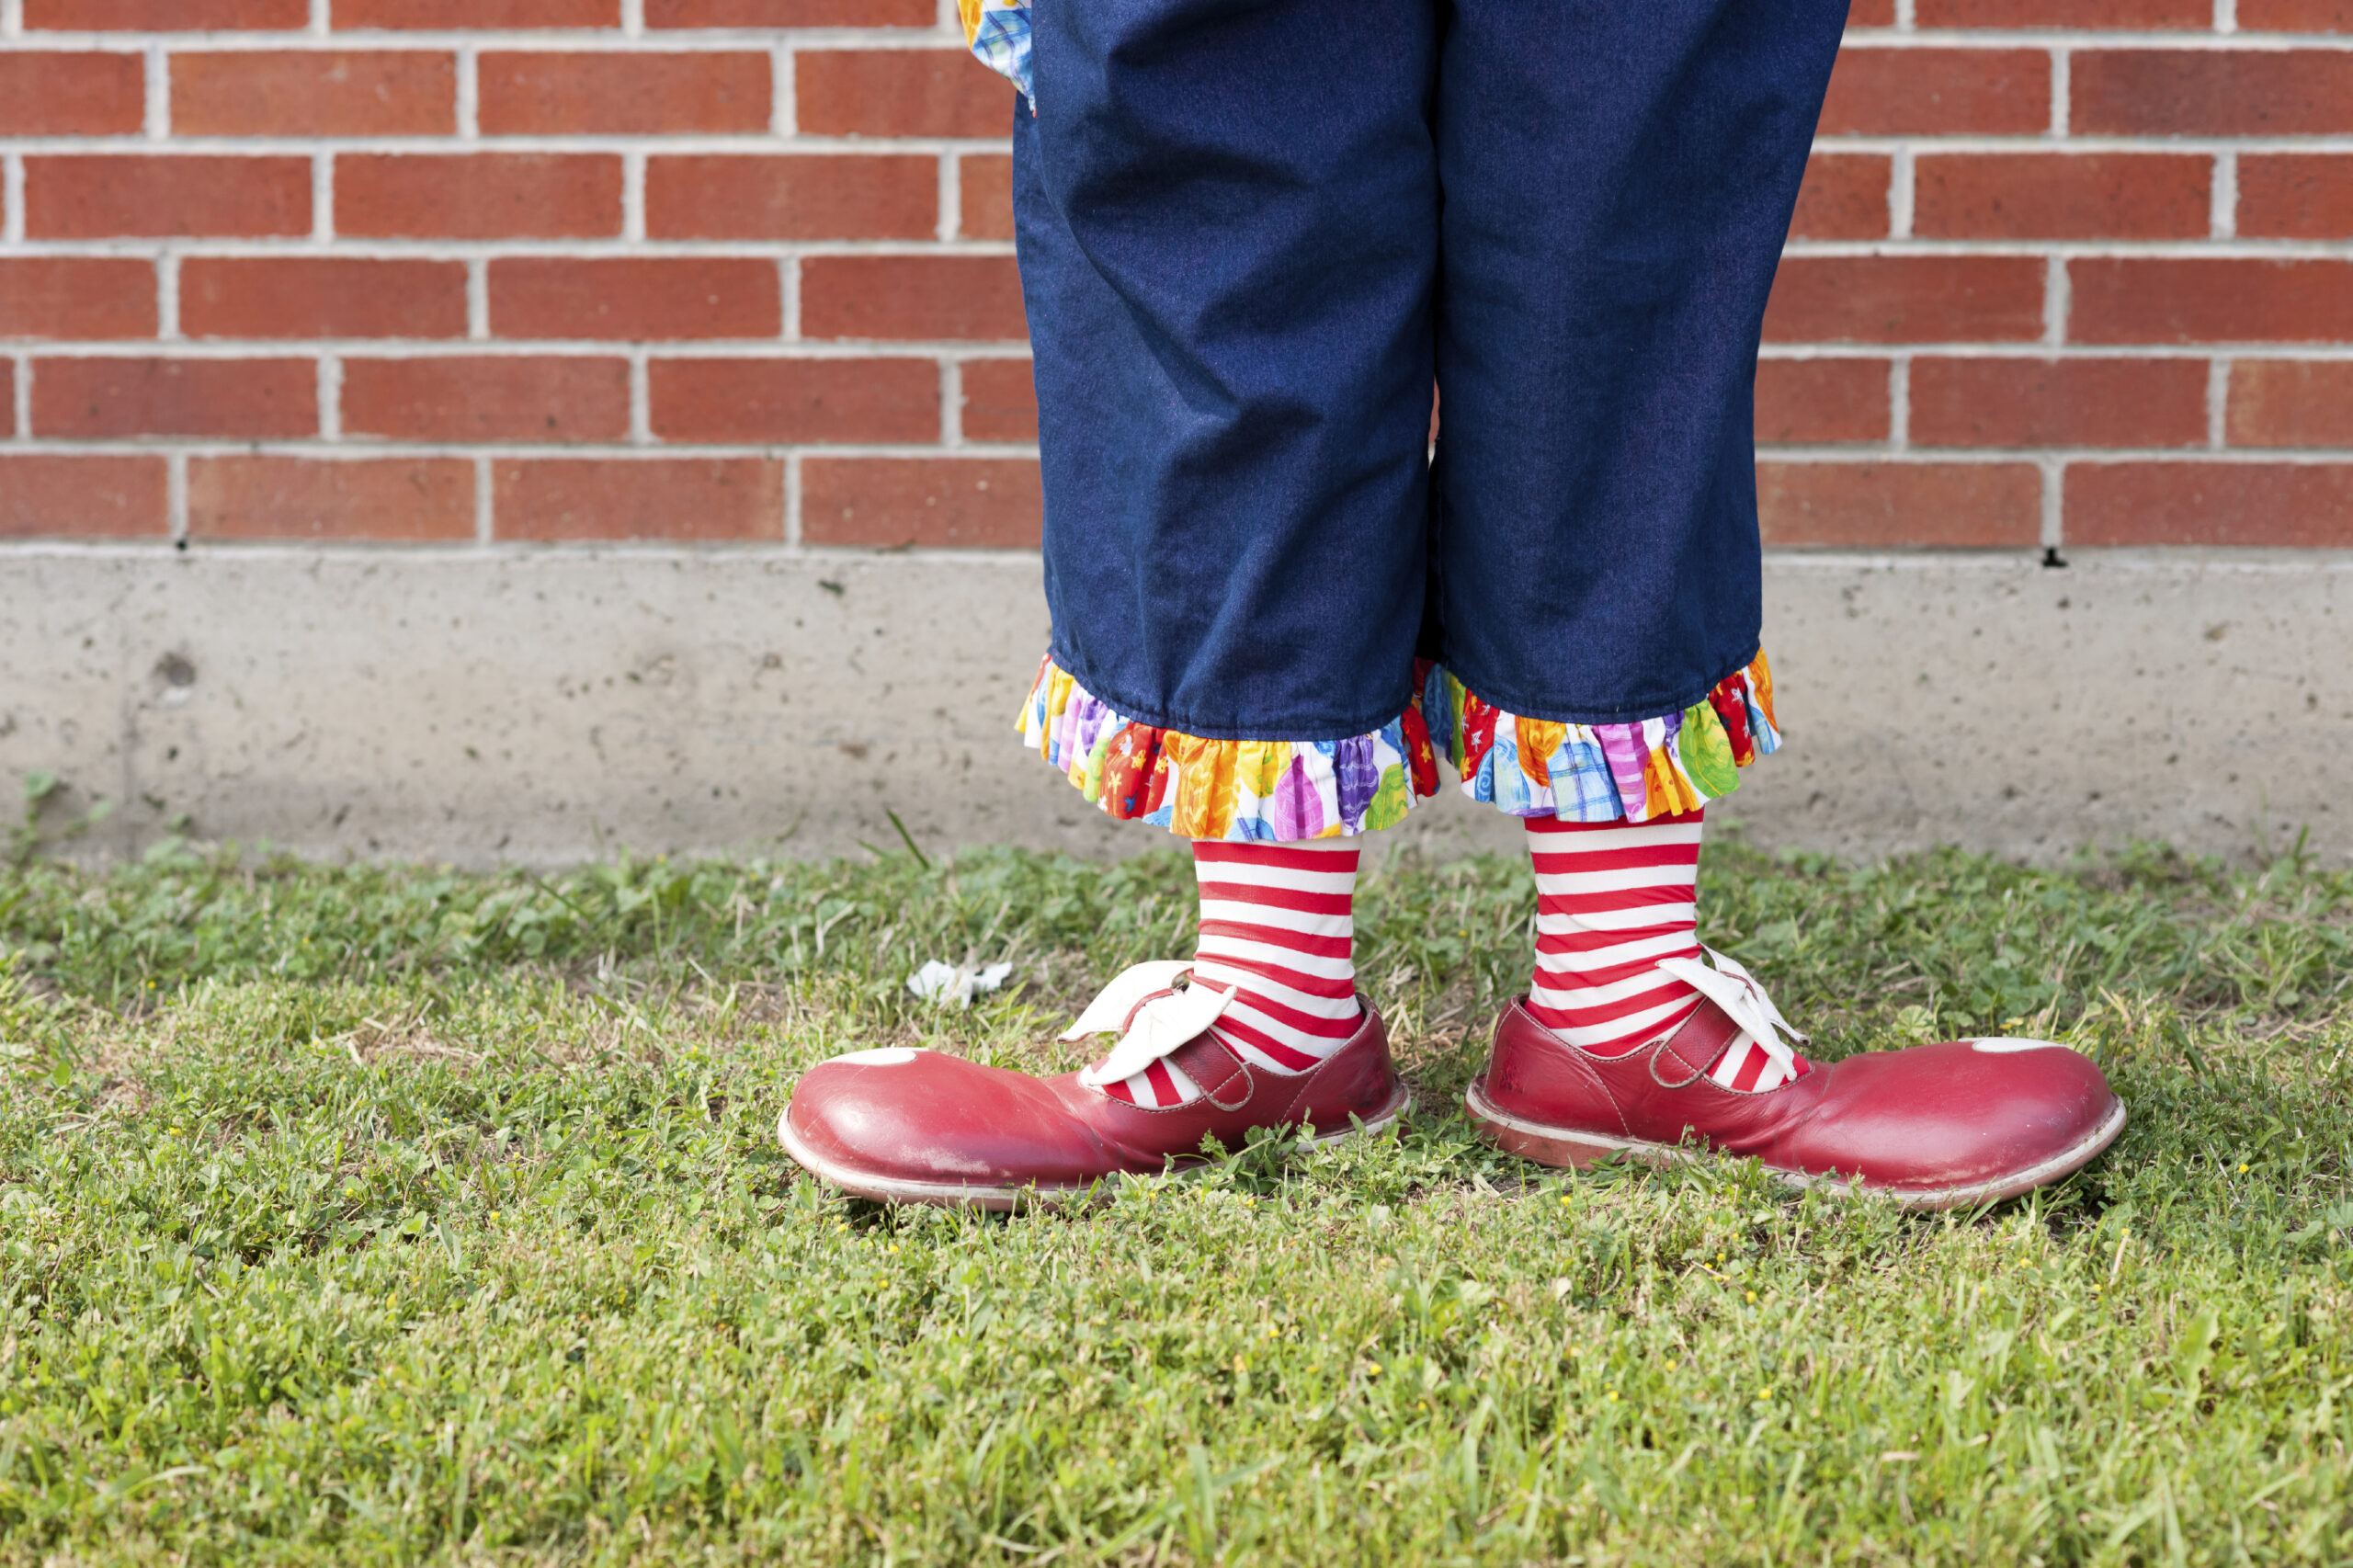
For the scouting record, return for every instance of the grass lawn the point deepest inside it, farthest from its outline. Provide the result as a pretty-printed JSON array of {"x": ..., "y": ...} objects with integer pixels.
[{"x": 354, "y": 1215}]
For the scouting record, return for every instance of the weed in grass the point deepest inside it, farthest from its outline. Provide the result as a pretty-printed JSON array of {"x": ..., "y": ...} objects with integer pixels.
[{"x": 370, "y": 1215}]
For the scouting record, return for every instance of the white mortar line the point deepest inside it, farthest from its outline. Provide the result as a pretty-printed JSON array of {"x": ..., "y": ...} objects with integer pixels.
[
  {"x": 370, "y": 450},
  {"x": 322, "y": 197},
  {"x": 2044, "y": 354},
  {"x": 2218, "y": 399},
  {"x": 1906, "y": 16},
  {"x": 792, "y": 529},
  {"x": 485, "y": 501},
  {"x": 951, "y": 403},
  {"x": 634, "y": 197},
  {"x": 789, "y": 281},
  {"x": 1900, "y": 198},
  {"x": 167, "y": 297},
  {"x": 2226, "y": 16},
  {"x": 12, "y": 18},
  {"x": 2060, "y": 76},
  {"x": 12, "y": 198},
  {"x": 2223, "y": 219},
  {"x": 321, "y": 23},
  {"x": 1899, "y": 403},
  {"x": 2056, "y": 296},
  {"x": 158, "y": 118},
  {"x": 640, "y": 399},
  {"x": 764, "y": 141},
  {"x": 951, "y": 197},
  {"x": 610, "y": 247},
  {"x": 632, "y": 18},
  {"x": 21, "y": 375},
  {"x": 175, "y": 490},
  {"x": 767, "y": 348},
  {"x": 478, "y": 300},
  {"x": 330, "y": 398},
  {"x": 784, "y": 103},
  {"x": 2053, "y": 501},
  {"x": 720, "y": 40},
  {"x": 469, "y": 94}
]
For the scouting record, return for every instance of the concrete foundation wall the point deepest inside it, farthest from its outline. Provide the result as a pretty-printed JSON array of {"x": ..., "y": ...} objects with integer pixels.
[{"x": 480, "y": 706}]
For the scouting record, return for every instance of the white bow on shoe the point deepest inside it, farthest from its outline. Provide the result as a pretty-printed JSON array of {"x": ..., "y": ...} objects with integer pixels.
[
  {"x": 1743, "y": 998},
  {"x": 1160, "y": 1026}
]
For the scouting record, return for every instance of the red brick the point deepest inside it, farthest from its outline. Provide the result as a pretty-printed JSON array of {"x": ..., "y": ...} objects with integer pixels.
[
  {"x": 1001, "y": 401},
  {"x": 76, "y": 296},
  {"x": 985, "y": 195},
  {"x": 1844, "y": 197},
  {"x": 2301, "y": 196},
  {"x": 2058, "y": 196},
  {"x": 76, "y": 497},
  {"x": 96, "y": 398},
  {"x": 1807, "y": 401},
  {"x": 635, "y": 298},
  {"x": 49, "y": 92},
  {"x": 1926, "y": 299},
  {"x": 2058, "y": 403},
  {"x": 2210, "y": 92},
  {"x": 921, "y": 297},
  {"x": 790, "y": 12},
  {"x": 2289, "y": 403},
  {"x": 402, "y": 500},
  {"x": 315, "y": 93},
  {"x": 2136, "y": 299},
  {"x": 321, "y": 297},
  {"x": 448, "y": 15},
  {"x": 967, "y": 502},
  {"x": 480, "y": 196},
  {"x": 94, "y": 196},
  {"x": 805, "y": 197},
  {"x": 166, "y": 16},
  {"x": 2296, "y": 15},
  {"x": 900, "y": 92},
  {"x": 2307, "y": 505},
  {"x": 489, "y": 397},
  {"x": 668, "y": 498},
  {"x": 630, "y": 93},
  {"x": 1885, "y": 505},
  {"x": 795, "y": 400},
  {"x": 1988, "y": 91},
  {"x": 942, "y": 502},
  {"x": 2196, "y": 14},
  {"x": 1871, "y": 14}
]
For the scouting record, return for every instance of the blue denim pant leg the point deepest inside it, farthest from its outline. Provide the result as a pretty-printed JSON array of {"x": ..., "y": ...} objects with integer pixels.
[{"x": 1253, "y": 233}]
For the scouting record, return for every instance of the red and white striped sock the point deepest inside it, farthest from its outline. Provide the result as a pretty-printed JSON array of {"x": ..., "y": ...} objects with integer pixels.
[
  {"x": 1612, "y": 900},
  {"x": 1278, "y": 926}
]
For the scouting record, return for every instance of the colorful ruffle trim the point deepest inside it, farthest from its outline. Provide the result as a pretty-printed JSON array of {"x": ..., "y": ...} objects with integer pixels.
[
  {"x": 1534, "y": 768},
  {"x": 998, "y": 31},
  {"x": 1272, "y": 791},
  {"x": 1280, "y": 791}
]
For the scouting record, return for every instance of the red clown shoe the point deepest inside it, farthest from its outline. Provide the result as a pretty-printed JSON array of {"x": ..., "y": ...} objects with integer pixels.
[
  {"x": 1945, "y": 1126},
  {"x": 905, "y": 1126}
]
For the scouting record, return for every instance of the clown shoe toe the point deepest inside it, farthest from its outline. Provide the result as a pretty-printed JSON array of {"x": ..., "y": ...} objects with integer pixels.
[
  {"x": 1942, "y": 1126},
  {"x": 907, "y": 1125}
]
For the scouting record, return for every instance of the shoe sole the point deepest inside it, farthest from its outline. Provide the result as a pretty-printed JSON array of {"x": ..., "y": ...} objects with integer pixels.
[
  {"x": 1554, "y": 1146},
  {"x": 1003, "y": 1200}
]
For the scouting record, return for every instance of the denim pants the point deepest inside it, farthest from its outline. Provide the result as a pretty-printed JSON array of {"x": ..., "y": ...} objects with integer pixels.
[{"x": 1254, "y": 236}]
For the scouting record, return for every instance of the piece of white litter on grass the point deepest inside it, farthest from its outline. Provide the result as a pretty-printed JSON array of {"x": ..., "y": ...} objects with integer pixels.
[{"x": 937, "y": 982}]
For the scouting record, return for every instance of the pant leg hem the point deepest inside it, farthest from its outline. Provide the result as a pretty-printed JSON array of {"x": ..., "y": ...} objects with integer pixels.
[
  {"x": 1198, "y": 787},
  {"x": 1673, "y": 762}
]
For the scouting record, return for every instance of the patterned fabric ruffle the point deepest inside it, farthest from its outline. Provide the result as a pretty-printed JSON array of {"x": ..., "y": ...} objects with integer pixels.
[
  {"x": 1272, "y": 791},
  {"x": 1280, "y": 791},
  {"x": 998, "y": 32},
  {"x": 1534, "y": 768}
]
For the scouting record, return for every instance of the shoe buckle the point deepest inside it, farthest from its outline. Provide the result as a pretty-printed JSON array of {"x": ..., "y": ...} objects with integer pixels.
[{"x": 1667, "y": 1048}]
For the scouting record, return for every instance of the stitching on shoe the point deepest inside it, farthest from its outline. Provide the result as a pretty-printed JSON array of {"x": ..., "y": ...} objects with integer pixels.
[{"x": 1584, "y": 1060}]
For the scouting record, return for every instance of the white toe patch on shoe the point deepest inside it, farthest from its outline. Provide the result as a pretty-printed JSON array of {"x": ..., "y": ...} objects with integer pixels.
[
  {"x": 882, "y": 1056},
  {"x": 1995, "y": 1045}
]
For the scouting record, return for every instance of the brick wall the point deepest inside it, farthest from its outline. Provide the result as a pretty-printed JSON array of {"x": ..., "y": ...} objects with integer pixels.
[{"x": 2065, "y": 272}]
